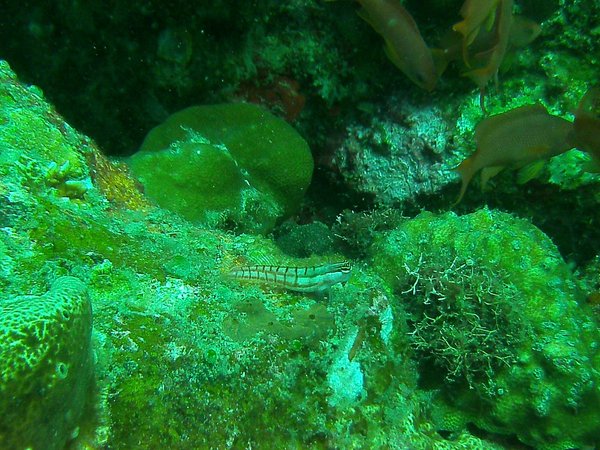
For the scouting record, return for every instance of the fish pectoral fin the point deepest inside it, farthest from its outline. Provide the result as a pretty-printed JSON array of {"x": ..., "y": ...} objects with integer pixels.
[{"x": 530, "y": 171}]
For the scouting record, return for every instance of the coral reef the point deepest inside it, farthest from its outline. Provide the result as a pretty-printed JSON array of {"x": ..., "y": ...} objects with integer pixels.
[
  {"x": 496, "y": 311},
  {"x": 463, "y": 330},
  {"x": 178, "y": 344},
  {"x": 45, "y": 365}
]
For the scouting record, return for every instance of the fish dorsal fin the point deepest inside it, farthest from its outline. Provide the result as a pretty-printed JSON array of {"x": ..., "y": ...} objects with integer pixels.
[
  {"x": 409, "y": 19},
  {"x": 493, "y": 123},
  {"x": 265, "y": 260},
  {"x": 364, "y": 15}
]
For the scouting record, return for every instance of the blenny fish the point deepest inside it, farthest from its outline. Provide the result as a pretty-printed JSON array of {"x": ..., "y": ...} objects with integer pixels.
[{"x": 316, "y": 279}]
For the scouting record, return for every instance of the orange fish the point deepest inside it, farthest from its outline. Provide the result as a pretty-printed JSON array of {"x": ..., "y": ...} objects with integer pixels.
[
  {"x": 516, "y": 137},
  {"x": 491, "y": 58},
  {"x": 404, "y": 44},
  {"x": 475, "y": 13},
  {"x": 522, "y": 32}
]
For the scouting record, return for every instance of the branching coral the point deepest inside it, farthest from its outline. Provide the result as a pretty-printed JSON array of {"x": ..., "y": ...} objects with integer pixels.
[{"x": 458, "y": 322}]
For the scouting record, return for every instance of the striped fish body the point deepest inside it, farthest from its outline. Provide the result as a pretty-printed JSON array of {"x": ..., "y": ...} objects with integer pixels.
[{"x": 300, "y": 279}]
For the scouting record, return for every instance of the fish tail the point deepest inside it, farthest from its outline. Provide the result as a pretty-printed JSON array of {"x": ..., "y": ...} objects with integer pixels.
[{"x": 466, "y": 171}]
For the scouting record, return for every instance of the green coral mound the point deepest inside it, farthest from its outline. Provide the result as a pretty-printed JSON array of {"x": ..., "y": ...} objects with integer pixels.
[
  {"x": 45, "y": 365},
  {"x": 497, "y": 326},
  {"x": 188, "y": 170},
  {"x": 225, "y": 163}
]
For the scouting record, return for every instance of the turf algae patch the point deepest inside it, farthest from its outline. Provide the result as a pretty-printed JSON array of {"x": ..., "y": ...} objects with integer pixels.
[{"x": 45, "y": 365}]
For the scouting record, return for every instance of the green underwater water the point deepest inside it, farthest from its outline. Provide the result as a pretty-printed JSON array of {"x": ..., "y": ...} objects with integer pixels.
[{"x": 180, "y": 183}]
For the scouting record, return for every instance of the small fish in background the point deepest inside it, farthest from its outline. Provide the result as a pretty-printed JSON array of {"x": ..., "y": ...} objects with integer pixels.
[
  {"x": 586, "y": 128},
  {"x": 515, "y": 138},
  {"x": 308, "y": 279},
  {"x": 475, "y": 13},
  {"x": 483, "y": 39},
  {"x": 489, "y": 29},
  {"x": 522, "y": 33},
  {"x": 404, "y": 45},
  {"x": 490, "y": 60}
]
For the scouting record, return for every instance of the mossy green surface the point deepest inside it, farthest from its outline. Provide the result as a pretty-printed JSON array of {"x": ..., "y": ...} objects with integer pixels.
[
  {"x": 45, "y": 365},
  {"x": 236, "y": 161},
  {"x": 498, "y": 319},
  {"x": 185, "y": 356},
  {"x": 189, "y": 358}
]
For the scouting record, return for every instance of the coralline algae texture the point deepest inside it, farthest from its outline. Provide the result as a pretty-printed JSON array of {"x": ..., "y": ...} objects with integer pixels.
[
  {"x": 401, "y": 154},
  {"x": 45, "y": 365},
  {"x": 230, "y": 162},
  {"x": 541, "y": 381}
]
